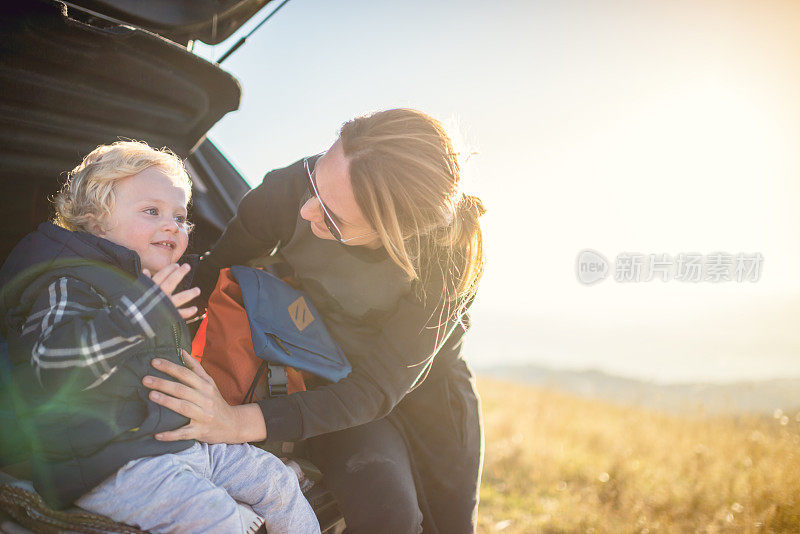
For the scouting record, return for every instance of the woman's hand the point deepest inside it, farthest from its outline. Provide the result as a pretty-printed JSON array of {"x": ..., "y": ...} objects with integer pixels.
[
  {"x": 212, "y": 419},
  {"x": 168, "y": 279}
]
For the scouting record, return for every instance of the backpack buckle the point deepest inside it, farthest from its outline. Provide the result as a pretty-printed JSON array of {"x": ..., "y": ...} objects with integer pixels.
[{"x": 277, "y": 380}]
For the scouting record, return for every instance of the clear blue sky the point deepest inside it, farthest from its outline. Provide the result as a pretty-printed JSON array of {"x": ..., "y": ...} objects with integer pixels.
[{"x": 641, "y": 126}]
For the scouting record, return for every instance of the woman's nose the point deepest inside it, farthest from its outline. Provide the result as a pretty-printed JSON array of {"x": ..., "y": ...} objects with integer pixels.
[{"x": 311, "y": 211}]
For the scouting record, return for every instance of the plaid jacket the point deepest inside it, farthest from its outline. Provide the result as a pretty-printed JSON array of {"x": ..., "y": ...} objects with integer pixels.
[
  {"x": 82, "y": 324},
  {"x": 77, "y": 334}
]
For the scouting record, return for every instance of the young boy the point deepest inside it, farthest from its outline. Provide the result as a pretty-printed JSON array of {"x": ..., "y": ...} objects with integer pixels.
[{"x": 86, "y": 304}]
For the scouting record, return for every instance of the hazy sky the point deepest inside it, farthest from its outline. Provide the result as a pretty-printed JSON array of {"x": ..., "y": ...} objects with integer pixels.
[{"x": 639, "y": 127}]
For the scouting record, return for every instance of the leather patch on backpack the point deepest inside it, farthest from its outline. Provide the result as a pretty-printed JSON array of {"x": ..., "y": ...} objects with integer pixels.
[{"x": 300, "y": 314}]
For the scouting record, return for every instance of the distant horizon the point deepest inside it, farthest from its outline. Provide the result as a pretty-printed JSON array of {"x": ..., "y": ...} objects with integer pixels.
[
  {"x": 487, "y": 368},
  {"x": 717, "y": 345},
  {"x": 771, "y": 398}
]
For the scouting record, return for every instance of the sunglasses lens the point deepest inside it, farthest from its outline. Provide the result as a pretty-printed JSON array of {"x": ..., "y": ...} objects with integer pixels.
[{"x": 336, "y": 235}]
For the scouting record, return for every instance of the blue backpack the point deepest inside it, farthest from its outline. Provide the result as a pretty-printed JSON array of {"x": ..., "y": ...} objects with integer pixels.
[{"x": 287, "y": 330}]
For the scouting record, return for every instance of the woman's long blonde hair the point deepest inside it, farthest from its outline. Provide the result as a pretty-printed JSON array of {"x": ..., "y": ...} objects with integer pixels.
[{"x": 405, "y": 176}]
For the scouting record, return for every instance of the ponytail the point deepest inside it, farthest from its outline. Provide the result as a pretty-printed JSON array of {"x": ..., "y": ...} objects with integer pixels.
[
  {"x": 468, "y": 236},
  {"x": 456, "y": 249}
]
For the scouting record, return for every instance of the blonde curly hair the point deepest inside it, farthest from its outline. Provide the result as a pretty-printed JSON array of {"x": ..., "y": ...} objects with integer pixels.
[{"x": 88, "y": 195}]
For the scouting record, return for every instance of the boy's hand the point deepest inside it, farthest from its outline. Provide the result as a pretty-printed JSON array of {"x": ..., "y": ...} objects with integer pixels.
[{"x": 168, "y": 279}]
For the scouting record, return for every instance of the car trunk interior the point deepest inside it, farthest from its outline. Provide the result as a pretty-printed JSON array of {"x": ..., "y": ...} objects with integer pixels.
[{"x": 72, "y": 81}]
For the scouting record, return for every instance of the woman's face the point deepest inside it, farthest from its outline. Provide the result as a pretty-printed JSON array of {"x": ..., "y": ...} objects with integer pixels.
[{"x": 332, "y": 178}]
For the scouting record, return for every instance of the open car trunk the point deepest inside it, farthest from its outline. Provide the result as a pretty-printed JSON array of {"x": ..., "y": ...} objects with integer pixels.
[
  {"x": 181, "y": 21},
  {"x": 69, "y": 86},
  {"x": 81, "y": 74}
]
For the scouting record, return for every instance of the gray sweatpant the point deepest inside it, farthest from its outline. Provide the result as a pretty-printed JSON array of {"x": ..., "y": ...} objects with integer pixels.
[{"x": 203, "y": 489}]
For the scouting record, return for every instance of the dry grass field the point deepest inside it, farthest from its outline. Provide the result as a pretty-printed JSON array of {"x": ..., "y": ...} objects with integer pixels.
[{"x": 559, "y": 463}]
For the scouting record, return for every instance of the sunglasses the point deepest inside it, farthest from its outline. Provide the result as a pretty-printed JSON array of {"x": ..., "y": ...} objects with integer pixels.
[{"x": 327, "y": 217}]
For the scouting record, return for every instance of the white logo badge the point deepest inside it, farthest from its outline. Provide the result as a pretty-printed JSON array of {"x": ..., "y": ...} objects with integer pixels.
[{"x": 591, "y": 266}]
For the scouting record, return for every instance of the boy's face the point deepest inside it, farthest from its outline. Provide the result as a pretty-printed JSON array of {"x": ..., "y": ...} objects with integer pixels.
[{"x": 149, "y": 218}]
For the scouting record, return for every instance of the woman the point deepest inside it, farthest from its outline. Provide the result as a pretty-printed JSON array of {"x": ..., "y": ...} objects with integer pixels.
[{"x": 391, "y": 253}]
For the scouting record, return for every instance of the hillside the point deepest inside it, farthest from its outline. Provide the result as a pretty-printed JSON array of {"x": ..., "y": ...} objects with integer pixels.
[
  {"x": 556, "y": 462},
  {"x": 756, "y": 397}
]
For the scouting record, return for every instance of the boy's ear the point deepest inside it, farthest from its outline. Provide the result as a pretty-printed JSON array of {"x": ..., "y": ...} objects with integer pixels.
[{"x": 96, "y": 226}]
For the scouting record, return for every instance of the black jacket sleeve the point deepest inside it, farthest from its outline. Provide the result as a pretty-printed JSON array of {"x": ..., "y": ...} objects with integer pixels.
[
  {"x": 397, "y": 357},
  {"x": 265, "y": 218}
]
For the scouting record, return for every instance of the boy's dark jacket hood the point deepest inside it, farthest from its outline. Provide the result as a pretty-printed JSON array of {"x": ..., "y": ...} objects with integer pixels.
[{"x": 78, "y": 438}]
